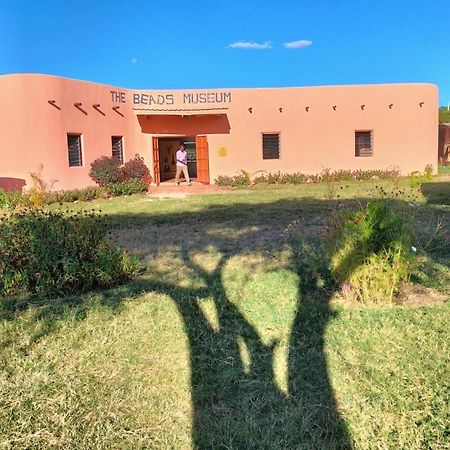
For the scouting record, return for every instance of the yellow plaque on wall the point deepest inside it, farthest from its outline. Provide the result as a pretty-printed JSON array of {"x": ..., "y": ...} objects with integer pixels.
[{"x": 222, "y": 151}]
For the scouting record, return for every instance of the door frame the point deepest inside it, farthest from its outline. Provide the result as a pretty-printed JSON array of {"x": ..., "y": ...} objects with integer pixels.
[{"x": 201, "y": 142}]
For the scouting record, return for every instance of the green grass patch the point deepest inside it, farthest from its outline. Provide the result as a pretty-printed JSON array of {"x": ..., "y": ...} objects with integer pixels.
[{"x": 444, "y": 170}]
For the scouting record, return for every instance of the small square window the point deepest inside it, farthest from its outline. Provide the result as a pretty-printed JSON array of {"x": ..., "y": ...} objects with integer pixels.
[
  {"x": 363, "y": 143},
  {"x": 117, "y": 148},
  {"x": 74, "y": 150},
  {"x": 271, "y": 145}
]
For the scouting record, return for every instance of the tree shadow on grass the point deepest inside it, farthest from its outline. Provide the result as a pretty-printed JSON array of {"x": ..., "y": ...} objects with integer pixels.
[
  {"x": 437, "y": 193},
  {"x": 239, "y": 405}
]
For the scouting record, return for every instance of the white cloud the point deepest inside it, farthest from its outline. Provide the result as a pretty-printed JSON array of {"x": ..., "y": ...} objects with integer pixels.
[
  {"x": 251, "y": 45},
  {"x": 134, "y": 61},
  {"x": 297, "y": 44}
]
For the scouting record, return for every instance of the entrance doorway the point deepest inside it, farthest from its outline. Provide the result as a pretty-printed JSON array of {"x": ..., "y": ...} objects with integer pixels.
[
  {"x": 164, "y": 157},
  {"x": 168, "y": 148}
]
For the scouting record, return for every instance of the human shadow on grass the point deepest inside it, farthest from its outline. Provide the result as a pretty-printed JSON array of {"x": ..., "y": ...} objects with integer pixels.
[{"x": 238, "y": 405}]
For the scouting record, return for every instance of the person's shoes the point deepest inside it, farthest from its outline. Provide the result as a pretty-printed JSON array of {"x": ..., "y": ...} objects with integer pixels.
[
  {"x": 188, "y": 184},
  {"x": 178, "y": 183}
]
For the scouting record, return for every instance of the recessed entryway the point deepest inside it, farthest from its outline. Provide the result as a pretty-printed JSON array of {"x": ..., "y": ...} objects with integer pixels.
[
  {"x": 167, "y": 156},
  {"x": 164, "y": 157}
]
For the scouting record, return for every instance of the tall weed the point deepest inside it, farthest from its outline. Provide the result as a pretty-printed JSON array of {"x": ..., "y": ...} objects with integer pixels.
[{"x": 371, "y": 251}]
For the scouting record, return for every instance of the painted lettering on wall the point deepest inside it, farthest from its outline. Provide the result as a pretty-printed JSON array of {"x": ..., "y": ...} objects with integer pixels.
[
  {"x": 207, "y": 97},
  {"x": 153, "y": 99},
  {"x": 181, "y": 98},
  {"x": 118, "y": 97}
]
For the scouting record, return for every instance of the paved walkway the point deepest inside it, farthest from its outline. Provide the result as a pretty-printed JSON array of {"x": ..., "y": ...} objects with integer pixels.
[{"x": 170, "y": 189}]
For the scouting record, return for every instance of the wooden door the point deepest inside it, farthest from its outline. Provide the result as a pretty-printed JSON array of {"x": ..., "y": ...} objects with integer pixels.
[
  {"x": 202, "y": 159},
  {"x": 156, "y": 169}
]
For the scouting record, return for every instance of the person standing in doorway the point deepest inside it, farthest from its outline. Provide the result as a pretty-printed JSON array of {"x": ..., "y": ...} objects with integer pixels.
[{"x": 182, "y": 158}]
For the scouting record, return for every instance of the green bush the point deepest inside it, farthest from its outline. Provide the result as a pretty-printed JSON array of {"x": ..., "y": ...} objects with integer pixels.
[
  {"x": 240, "y": 180},
  {"x": 87, "y": 194},
  {"x": 132, "y": 186},
  {"x": 416, "y": 179},
  {"x": 9, "y": 200},
  {"x": 327, "y": 176},
  {"x": 51, "y": 254},
  {"x": 224, "y": 180},
  {"x": 4, "y": 203},
  {"x": 106, "y": 170},
  {"x": 371, "y": 251}
]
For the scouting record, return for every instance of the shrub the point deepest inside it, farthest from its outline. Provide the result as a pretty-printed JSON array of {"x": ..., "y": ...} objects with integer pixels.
[
  {"x": 135, "y": 169},
  {"x": 327, "y": 176},
  {"x": 16, "y": 199},
  {"x": 52, "y": 254},
  {"x": 224, "y": 180},
  {"x": 295, "y": 178},
  {"x": 240, "y": 180},
  {"x": 87, "y": 194},
  {"x": 270, "y": 178},
  {"x": 36, "y": 197},
  {"x": 370, "y": 251},
  {"x": 132, "y": 186},
  {"x": 106, "y": 170},
  {"x": 416, "y": 179},
  {"x": 4, "y": 200}
]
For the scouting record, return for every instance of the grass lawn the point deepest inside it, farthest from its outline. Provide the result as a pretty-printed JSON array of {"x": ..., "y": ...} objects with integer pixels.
[
  {"x": 444, "y": 170},
  {"x": 216, "y": 346}
]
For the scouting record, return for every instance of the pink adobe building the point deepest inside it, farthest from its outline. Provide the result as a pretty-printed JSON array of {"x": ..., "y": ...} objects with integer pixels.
[{"x": 66, "y": 124}]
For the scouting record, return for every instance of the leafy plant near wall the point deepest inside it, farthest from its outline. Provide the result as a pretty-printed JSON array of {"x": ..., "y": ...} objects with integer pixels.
[
  {"x": 51, "y": 254},
  {"x": 106, "y": 170},
  {"x": 299, "y": 178},
  {"x": 135, "y": 169},
  {"x": 128, "y": 187},
  {"x": 87, "y": 194},
  {"x": 6, "y": 200},
  {"x": 417, "y": 178},
  {"x": 11, "y": 200}
]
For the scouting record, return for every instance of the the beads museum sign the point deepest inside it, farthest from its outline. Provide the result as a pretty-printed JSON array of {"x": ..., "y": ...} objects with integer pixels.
[{"x": 174, "y": 99}]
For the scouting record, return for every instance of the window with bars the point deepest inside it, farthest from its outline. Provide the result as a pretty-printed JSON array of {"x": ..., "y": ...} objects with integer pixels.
[
  {"x": 363, "y": 143},
  {"x": 271, "y": 145},
  {"x": 117, "y": 148},
  {"x": 74, "y": 149}
]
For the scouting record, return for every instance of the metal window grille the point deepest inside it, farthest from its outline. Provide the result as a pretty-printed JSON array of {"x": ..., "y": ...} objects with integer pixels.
[
  {"x": 271, "y": 145},
  {"x": 363, "y": 143},
  {"x": 117, "y": 148},
  {"x": 74, "y": 149}
]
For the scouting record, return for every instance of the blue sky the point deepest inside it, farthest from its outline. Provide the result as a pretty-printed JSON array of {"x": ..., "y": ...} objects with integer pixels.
[{"x": 206, "y": 44}]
